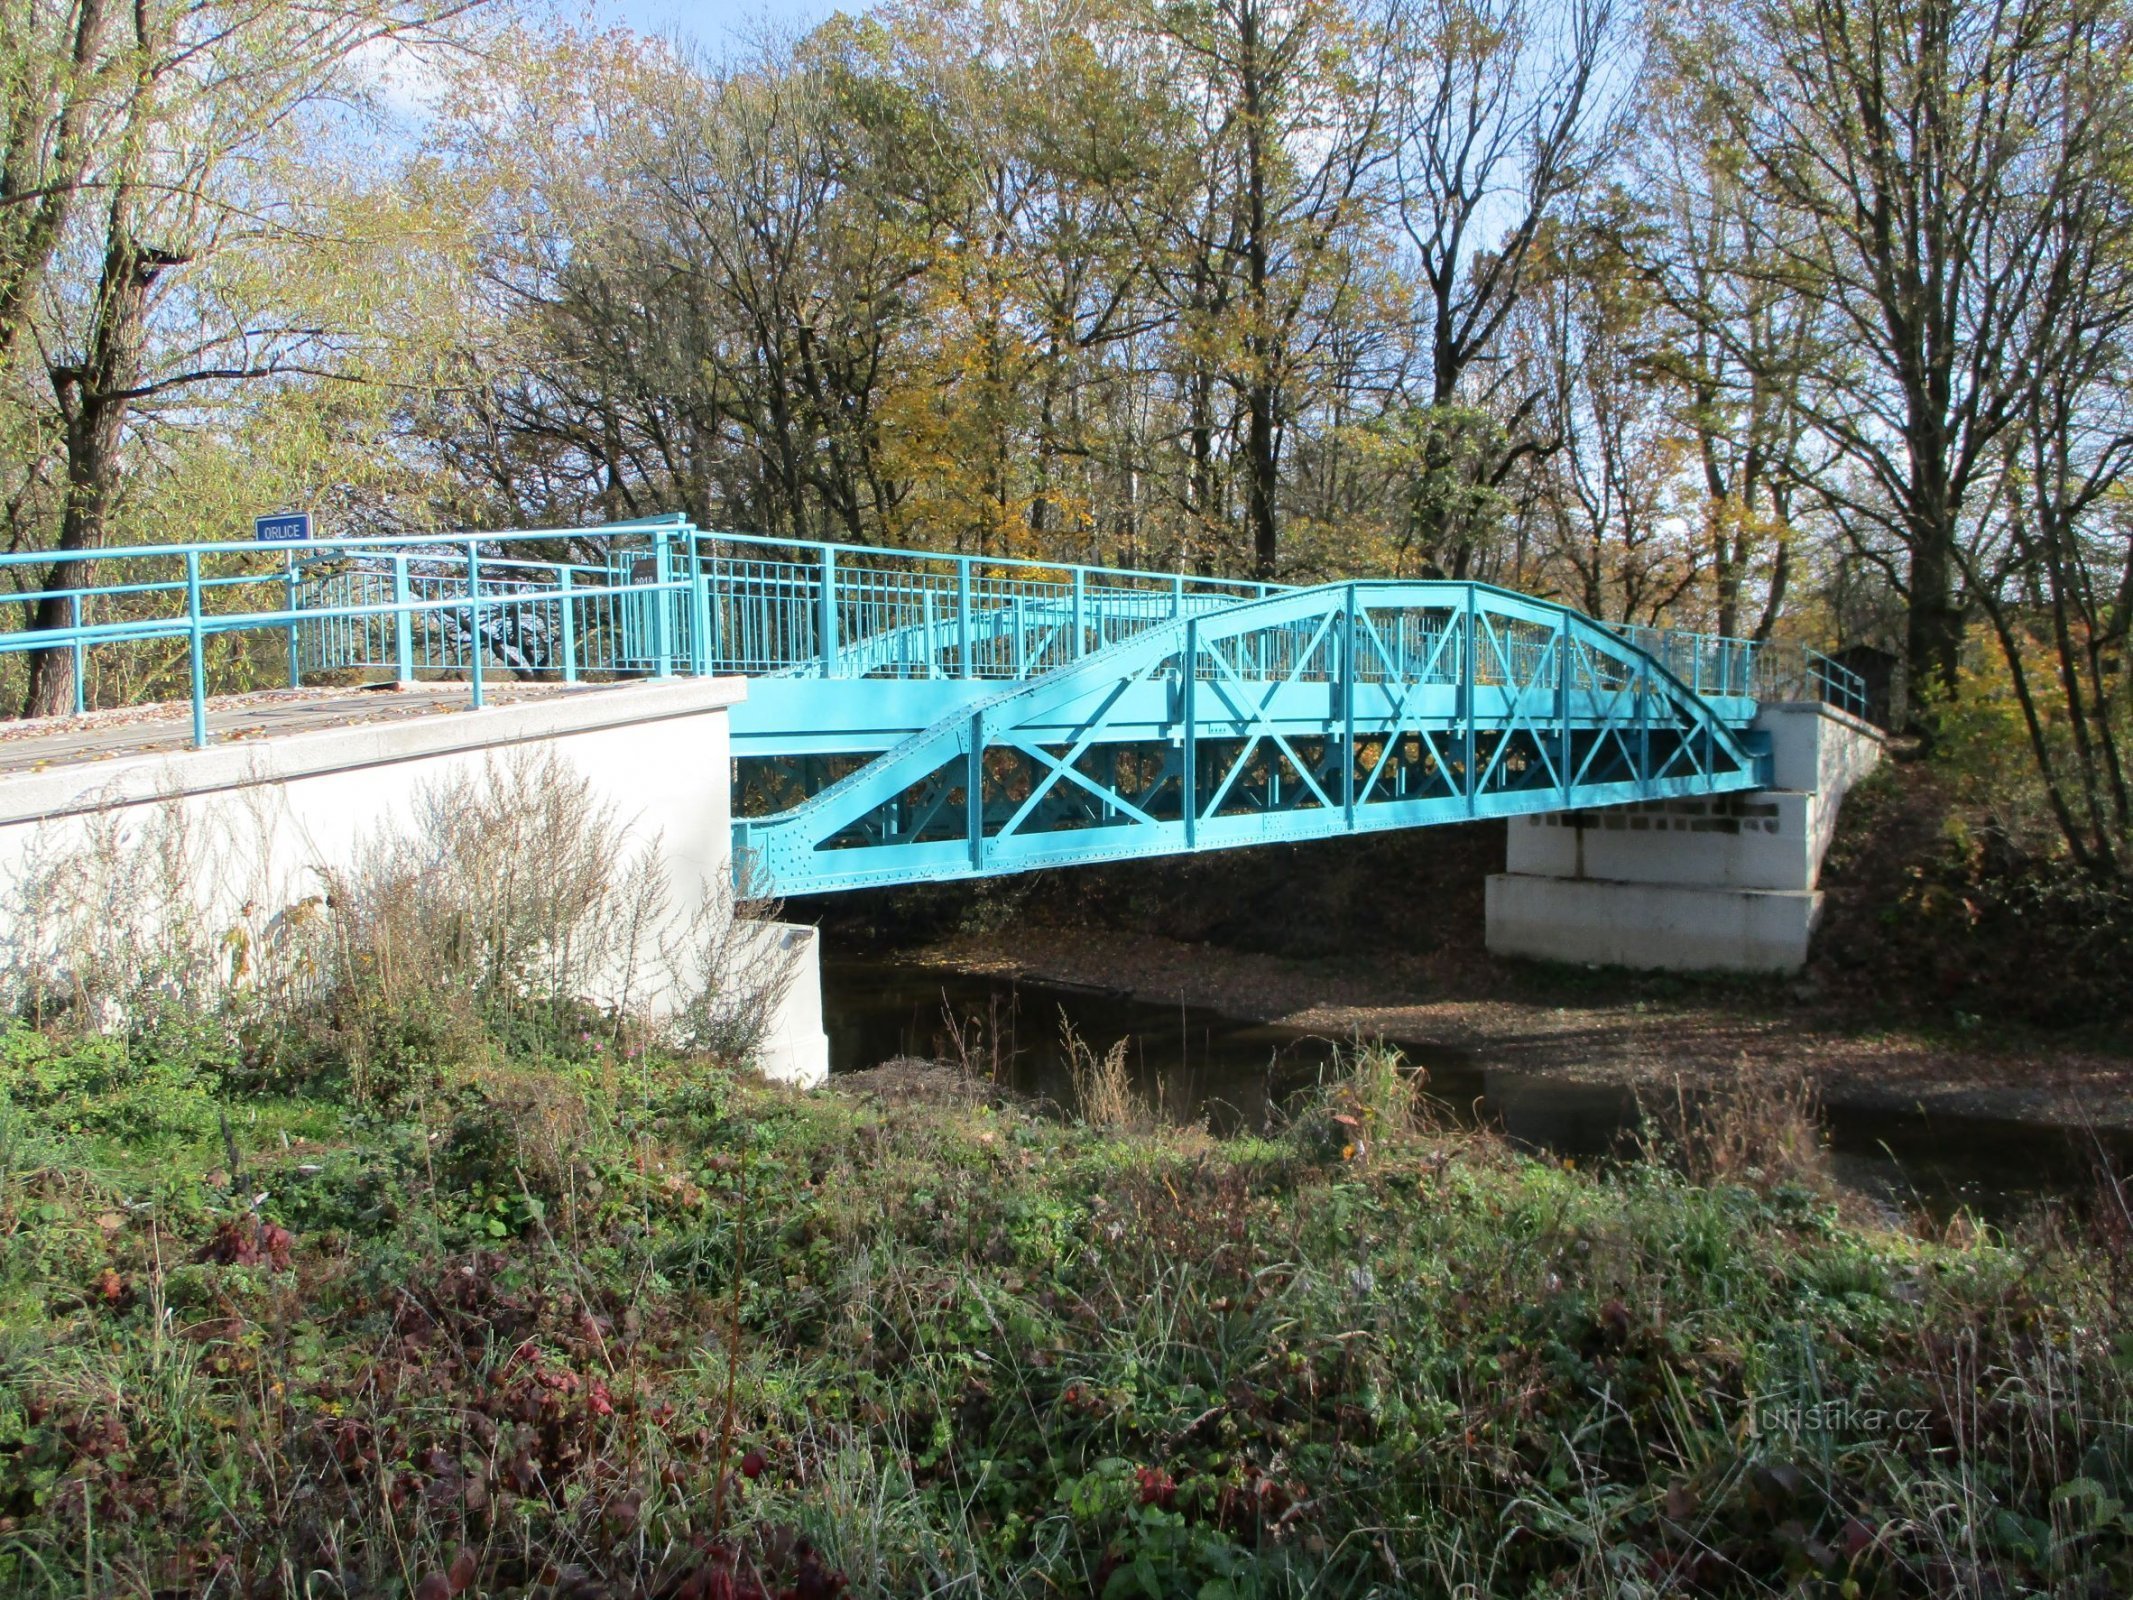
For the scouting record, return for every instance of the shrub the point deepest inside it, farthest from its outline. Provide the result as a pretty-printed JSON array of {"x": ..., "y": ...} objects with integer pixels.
[
  {"x": 161, "y": 1088},
  {"x": 105, "y": 933},
  {"x": 1761, "y": 1130},
  {"x": 1935, "y": 906},
  {"x": 1368, "y": 1096},
  {"x": 494, "y": 921}
]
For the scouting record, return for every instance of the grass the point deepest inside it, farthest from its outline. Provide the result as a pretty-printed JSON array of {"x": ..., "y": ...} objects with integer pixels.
[
  {"x": 1105, "y": 1095},
  {"x": 364, "y": 1255},
  {"x": 1760, "y": 1129},
  {"x": 616, "y": 1321}
]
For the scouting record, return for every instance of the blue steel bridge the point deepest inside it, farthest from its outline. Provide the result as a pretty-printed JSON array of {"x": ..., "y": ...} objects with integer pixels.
[{"x": 914, "y": 716}]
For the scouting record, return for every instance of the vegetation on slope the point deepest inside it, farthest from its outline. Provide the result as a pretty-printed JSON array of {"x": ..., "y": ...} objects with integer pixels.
[{"x": 576, "y": 1317}]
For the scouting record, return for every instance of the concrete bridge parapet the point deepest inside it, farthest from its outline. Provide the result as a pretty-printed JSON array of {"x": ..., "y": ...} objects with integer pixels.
[
  {"x": 1726, "y": 883},
  {"x": 269, "y": 819}
]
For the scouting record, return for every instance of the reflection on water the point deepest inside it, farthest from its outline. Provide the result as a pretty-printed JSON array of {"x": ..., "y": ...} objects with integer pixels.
[{"x": 1197, "y": 1064}]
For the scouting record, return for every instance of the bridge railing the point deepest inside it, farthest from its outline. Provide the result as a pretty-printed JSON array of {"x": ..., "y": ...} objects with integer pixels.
[
  {"x": 831, "y": 610},
  {"x": 649, "y": 598},
  {"x": 157, "y": 622},
  {"x": 1763, "y": 670},
  {"x": 659, "y": 597}
]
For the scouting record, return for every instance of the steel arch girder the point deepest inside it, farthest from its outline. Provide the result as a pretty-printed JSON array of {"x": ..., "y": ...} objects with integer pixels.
[{"x": 1121, "y": 696}]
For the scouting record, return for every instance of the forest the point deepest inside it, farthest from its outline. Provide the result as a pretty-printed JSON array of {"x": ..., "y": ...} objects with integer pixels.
[{"x": 1776, "y": 318}]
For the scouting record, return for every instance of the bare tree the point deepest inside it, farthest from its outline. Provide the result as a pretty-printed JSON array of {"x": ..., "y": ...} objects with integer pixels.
[
  {"x": 1298, "y": 93},
  {"x": 1610, "y": 496},
  {"x": 1918, "y": 155},
  {"x": 1500, "y": 122},
  {"x": 1735, "y": 341},
  {"x": 2058, "y": 589}
]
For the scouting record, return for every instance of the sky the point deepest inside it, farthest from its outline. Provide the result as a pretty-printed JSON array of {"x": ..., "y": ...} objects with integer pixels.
[
  {"x": 720, "y": 25},
  {"x": 408, "y": 85}
]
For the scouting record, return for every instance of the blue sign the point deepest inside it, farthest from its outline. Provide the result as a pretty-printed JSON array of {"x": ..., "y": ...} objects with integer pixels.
[{"x": 284, "y": 527}]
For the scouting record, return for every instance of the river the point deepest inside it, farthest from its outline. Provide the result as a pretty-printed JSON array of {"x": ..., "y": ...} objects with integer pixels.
[{"x": 1195, "y": 1064}]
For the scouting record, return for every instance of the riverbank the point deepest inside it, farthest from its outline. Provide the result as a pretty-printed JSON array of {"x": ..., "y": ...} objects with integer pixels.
[
  {"x": 579, "y": 1317},
  {"x": 1588, "y": 1028},
  {"x": 1947, "y": 978}
]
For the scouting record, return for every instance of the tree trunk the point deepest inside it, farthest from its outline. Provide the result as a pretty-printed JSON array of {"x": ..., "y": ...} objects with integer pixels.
[
  {"x": 1262, "y": 437},
  {"x": 41, "y": 169},
  {"x": 94, "y": 398},
  {"x": 1780, "y": 578},
  {"x": 1201, "y": 428},
  {"x": 1933, "y": 630},
  {"x": 1265, "y": 465}
]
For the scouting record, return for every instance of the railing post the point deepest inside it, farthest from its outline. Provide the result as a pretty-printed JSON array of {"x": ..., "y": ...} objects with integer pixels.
[
  {"x": 827, "y": 626},
  {"x": 974, "y": 792},
  {"x": 1189, "y": 746},
  {"x": 1562, "y": 705},
  {"x": 962, "y": 613},
  {"x": 403, "y": 627},
  {"x": 474, "y": 623},
  {"x": 1466, "y": 708},
  {"x": 1081, "y": 608},
  {"x": 662, "y": 604},
  {"x": 567, "y": 611},
  {"x": 81, "y": 657},
  {"x": 296, "y": 663},
  {"x": 1348, "y": 705},
  {"x": 701, "y": 661},
  {"x": 197, "y": 642},
  {"x": 1177, "y": 595},
  {"x": 1644, "y": 722},
  {"x": 1020, "y": 623},
  {"x": 716, "y": 651},
  {"x": 925, "y": 610}
]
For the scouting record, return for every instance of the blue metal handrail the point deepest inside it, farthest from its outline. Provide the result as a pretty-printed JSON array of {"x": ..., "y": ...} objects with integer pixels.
[{"x": 659, "y": 596}]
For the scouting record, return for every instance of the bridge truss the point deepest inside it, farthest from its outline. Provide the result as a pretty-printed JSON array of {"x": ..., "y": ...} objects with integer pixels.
[
  {"x": 914, "y": 716},
  {"x": 1344, "y": 708}
]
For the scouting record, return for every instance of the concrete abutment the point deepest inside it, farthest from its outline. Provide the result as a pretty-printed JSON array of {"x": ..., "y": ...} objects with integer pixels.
[
  {"x": 1724, "y": 884},
  {"x": 268, "y": 820}
]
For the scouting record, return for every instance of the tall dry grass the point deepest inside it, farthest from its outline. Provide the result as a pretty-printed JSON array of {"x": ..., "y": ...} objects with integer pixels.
[
  {"x": 514, "y": 911},
  {"x": 1105, "y": 1095},
  {"x": 1762, "y": 1129}
]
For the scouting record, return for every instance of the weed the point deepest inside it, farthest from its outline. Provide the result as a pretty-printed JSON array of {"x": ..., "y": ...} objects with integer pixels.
[
  {"x": 1759, "y": 1129},
  {"x": 1105, "y": 1095},
  {"x": 1367, "y": 1096}
]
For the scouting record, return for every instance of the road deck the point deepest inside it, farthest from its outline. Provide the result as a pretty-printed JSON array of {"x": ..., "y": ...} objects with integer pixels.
[{"x": 46, "y": 742}]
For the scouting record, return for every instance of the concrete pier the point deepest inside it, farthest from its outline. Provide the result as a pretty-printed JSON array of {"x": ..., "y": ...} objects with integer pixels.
[{"x": 1725, "y": 884}]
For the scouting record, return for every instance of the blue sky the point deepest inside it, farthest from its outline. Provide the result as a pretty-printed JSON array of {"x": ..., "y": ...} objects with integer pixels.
[
  {"x": 718, "y": 25},
  {"x": 408, "y": 84}
]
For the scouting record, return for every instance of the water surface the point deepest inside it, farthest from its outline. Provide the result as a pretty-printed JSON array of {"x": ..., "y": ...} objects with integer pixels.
[{"x": 1195, "y": 1064}]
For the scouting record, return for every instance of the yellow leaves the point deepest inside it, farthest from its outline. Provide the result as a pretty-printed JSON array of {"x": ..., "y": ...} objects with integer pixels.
[{"x": 237, "y": 946}]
